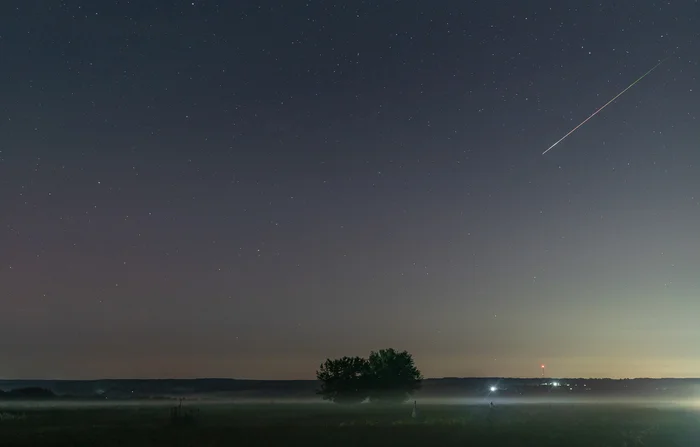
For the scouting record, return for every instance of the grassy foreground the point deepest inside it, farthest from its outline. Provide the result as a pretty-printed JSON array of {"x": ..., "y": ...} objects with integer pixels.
[{"x": 327, "y": 425}]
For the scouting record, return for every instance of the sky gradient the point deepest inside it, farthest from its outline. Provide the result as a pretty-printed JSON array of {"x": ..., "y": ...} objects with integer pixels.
[{"x": 242, "y": 189}]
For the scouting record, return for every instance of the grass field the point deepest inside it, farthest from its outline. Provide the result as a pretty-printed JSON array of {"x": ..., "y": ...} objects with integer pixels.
[{"x": 365, "y": 425}]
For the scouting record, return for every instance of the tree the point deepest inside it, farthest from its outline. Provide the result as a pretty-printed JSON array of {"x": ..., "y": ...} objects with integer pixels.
[
  {"x": 344, "y": 380},
  {"x": 387, "y": 376},
  {"x": 393, "y": 376}
]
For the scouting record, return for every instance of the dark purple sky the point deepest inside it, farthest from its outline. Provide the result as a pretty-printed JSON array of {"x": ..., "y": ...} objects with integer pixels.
[{"x": 207, "y": 188}]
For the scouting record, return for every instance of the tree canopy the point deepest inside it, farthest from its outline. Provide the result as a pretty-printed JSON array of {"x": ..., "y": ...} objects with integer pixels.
[
  {"x": 344, "y": 380},
  {"x": 387, "y": 376}
]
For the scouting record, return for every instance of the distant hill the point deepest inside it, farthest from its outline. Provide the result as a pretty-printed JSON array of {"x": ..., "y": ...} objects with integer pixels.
[{"x": 306, "y": 389}]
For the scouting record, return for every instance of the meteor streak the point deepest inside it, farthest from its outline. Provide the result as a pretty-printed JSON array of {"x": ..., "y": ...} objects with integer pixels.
[{"x": 606, "y": 104}]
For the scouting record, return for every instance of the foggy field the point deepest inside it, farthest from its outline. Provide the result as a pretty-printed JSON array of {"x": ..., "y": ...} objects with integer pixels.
[{"x": 325, "y": 424}]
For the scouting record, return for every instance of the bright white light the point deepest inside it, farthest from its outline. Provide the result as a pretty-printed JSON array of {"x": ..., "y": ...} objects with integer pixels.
[
  {"x": 493, "y": 389},
  {"x": 555, "y": 383}
]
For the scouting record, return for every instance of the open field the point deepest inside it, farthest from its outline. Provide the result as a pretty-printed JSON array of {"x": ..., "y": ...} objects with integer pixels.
[{"x": 329, "y": 425}]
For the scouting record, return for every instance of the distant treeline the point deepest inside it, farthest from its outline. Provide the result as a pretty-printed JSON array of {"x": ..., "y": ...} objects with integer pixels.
[
  {"x": 27, "y": 393},
  {"x": 171, "y": 388},
  {"x": 306, "y": 389}
]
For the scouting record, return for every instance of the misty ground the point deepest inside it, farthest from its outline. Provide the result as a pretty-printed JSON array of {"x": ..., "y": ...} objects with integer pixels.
[{"x": 225, "y": 424}]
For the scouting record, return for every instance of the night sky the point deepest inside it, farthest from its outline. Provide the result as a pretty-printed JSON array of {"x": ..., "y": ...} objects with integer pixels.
[{"x": 242, "y": 189}]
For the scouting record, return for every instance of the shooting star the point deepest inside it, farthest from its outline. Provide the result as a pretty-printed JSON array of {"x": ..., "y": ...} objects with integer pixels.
[{"x": 606, "y": 104}]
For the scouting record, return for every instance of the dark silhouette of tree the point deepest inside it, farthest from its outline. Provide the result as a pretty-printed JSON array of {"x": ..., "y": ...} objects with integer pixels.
[
  {"x": 393, "y": 376},
  {"x": 344, "y": 380},
  {"x": 387, "y": 376}
]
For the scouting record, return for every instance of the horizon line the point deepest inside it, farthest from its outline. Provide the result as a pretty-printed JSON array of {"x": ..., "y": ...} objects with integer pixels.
[{"x": 316, "y": 380}]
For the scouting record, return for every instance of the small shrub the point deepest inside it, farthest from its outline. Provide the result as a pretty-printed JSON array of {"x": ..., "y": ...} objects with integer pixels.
[
  {"x": 180, "y": 416},
  {"x": 5, "y": 416}
]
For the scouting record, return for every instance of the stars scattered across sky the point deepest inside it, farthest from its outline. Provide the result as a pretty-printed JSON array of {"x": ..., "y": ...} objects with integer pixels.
[{"x": 235, "y": 189}]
